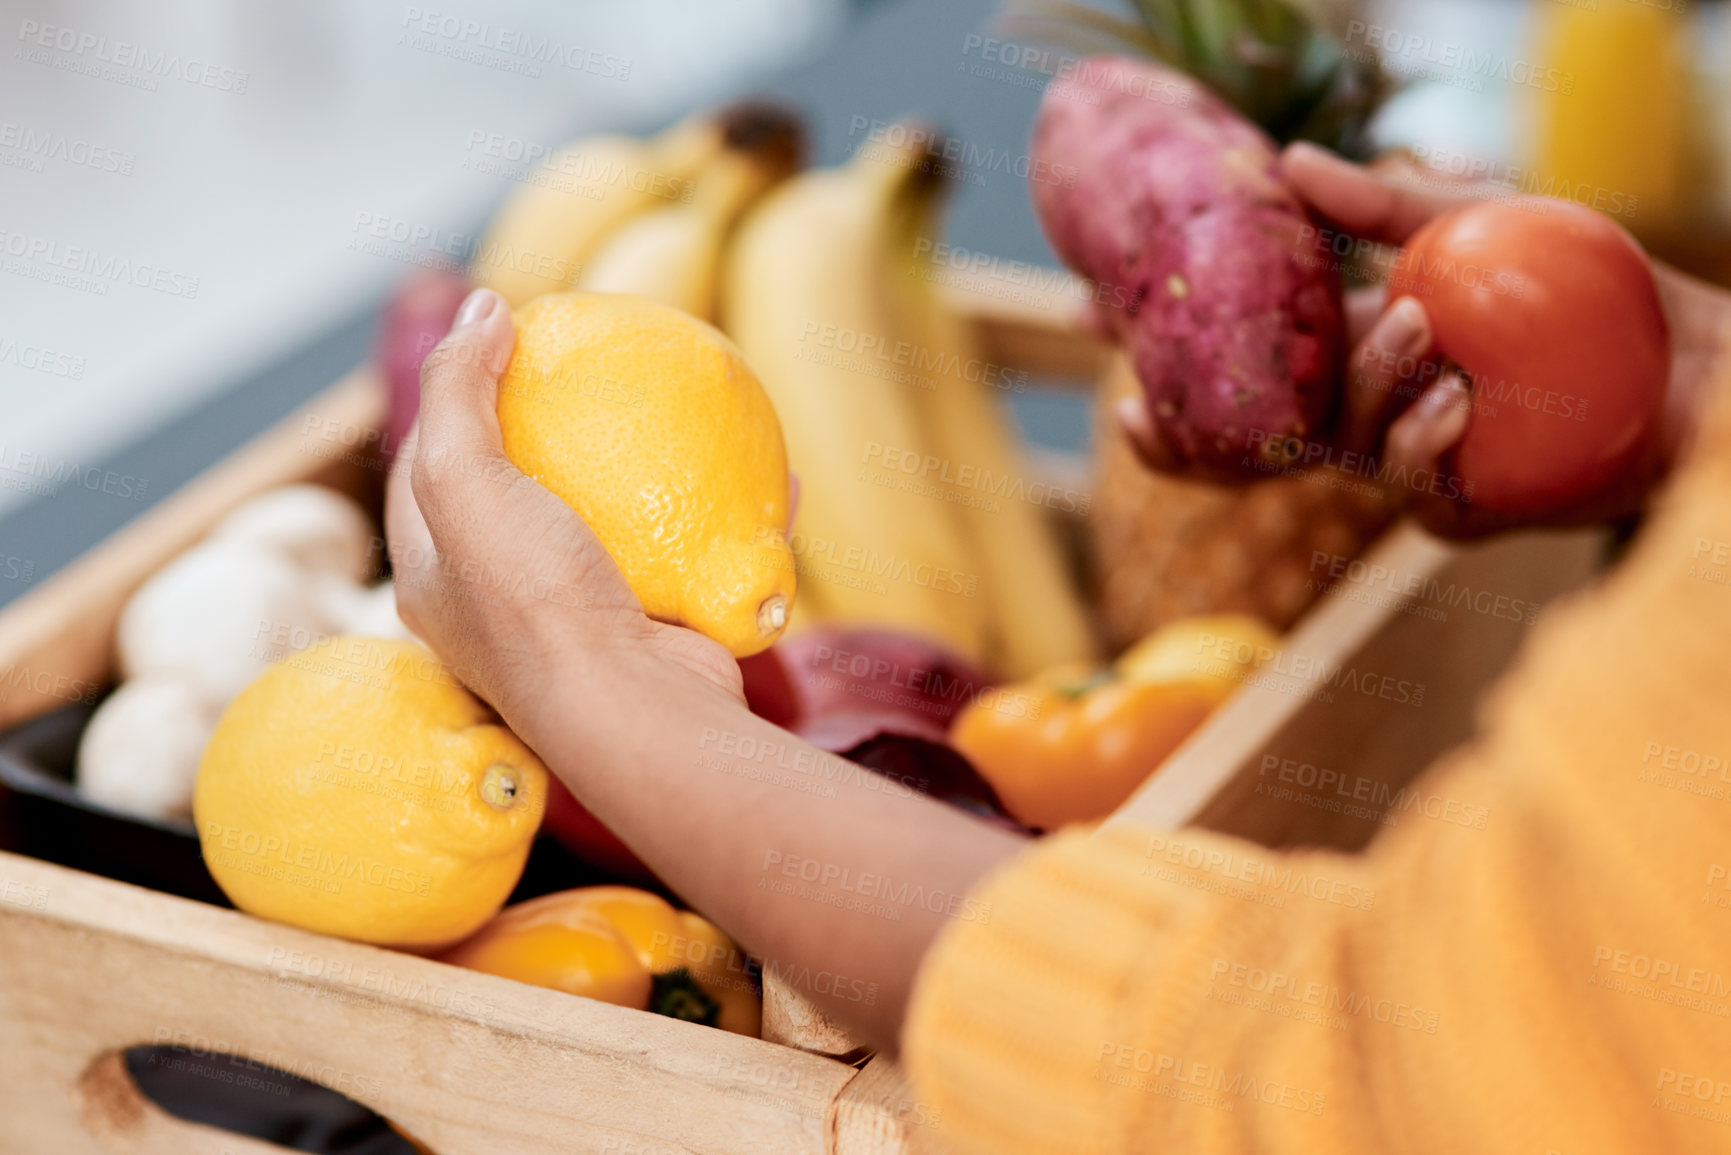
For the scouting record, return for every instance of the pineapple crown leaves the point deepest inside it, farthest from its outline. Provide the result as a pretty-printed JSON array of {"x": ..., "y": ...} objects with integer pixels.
[{"x": 1282, "y": 63}]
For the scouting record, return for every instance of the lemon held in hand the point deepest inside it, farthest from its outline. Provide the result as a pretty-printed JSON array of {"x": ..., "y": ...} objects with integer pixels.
[
  {"x": 358, "y": 790},
  {"x": 650, "y": 425}
]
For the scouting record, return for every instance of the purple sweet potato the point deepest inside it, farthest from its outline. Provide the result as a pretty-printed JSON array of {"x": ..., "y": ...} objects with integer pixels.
[{"x": 1173, "y": 204}]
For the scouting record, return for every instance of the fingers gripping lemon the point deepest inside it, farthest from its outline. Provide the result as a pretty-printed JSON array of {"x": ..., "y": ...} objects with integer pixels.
[
  {"x": 650, "y": 425},
  {"x": 358, "y": 790}
]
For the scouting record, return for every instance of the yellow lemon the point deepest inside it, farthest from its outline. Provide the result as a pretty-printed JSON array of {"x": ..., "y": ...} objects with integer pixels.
[
  {"x": 1220, "y": 650},
  {"x": 358, "y": 790},
  {"x": 650, "y": 425}
]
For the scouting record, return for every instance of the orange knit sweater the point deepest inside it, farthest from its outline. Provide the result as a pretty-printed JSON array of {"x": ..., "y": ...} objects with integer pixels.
[{"x": 1556, "y": 982}]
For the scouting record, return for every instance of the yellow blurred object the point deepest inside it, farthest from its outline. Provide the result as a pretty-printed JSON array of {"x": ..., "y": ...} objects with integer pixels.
[
  {"x": 357, "y": 789},
  {"x": 649, "y": 423},
  {"x": 805, "y": 295},
  {"x": 1220, "y": 649},
  {"x": 1036, "y": 618},
  {"x": 620, "y": 945},
  {"x": 562, "y": 946},
  {"x": 1613, "y": 123},
  {"x": 672, "y": 253},
  {"x": 544, "y": 236}
]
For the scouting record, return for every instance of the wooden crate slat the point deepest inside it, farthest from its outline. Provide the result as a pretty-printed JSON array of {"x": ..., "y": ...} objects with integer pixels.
[
  {"x": 1030, "y": 326},
  {"x": 468, "y": 1063}
]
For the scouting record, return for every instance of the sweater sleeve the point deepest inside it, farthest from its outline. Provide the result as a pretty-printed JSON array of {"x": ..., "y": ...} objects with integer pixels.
[{"x": 1541, "y": 962}]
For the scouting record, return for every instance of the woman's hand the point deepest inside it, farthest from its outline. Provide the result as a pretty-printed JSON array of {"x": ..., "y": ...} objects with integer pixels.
[
  {"x": 646, "y": 722},
  {"x": 1396, "y": 404},
  {"x": 494, "y": 571}
]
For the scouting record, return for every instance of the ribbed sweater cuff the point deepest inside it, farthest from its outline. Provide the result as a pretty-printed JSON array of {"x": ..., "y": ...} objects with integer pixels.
[{"x": 1018, "y": 1019}]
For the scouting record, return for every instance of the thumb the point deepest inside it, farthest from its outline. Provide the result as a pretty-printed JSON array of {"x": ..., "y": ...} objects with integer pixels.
[
  {"x": 460, "y": 471},
  {"x": 1386, "y": 207}
]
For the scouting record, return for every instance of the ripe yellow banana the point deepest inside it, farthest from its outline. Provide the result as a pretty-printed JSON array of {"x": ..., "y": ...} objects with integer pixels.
[
  {"x": 544, "y": 235},
  {"x": 804, "y": 297},
  {"x": 673, "y": 252},
  {"x": 1037, "y": 615}
]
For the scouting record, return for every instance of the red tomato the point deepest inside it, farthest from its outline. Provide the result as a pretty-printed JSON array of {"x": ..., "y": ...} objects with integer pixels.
[{"x": 1552, "y": 310}]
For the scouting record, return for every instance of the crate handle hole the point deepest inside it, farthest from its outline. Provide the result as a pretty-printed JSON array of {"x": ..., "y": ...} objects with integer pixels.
[{"x": 191, "y": 1101}]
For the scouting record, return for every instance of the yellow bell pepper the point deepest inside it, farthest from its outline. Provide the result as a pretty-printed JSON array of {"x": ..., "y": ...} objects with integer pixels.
[
  {"x": 620, "y": 945},
  {"x": 1219, "y": 648}
]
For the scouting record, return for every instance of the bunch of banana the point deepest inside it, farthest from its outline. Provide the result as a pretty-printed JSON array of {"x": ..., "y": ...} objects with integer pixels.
[
  {"x": 650, "y": 216},
  {"x": 1037, "y": 619},
  {"x": 673, "y": 252},
  {"x": 872, "y": 381},
  {"x": 912, "y": 510}
]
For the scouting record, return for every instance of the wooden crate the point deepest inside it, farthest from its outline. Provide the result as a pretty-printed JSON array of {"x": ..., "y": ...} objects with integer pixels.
[{"x": 470, "y": 1064}]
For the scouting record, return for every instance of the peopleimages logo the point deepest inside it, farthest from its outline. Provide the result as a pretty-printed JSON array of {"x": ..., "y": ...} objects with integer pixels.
[
  {"x": 876, "y": 568},
  {"x": 1291, "y": 456},
  {"x": 92, "y": 270},
  {"x": 956, "y": 157},
  {"x": 1039, "y": 280},
  {"x": 1227, "y": 1088},
  {"x": 35, "y": 472},
  {"x": 900, "y": 360},
  {"x": 1221, "y": 655},
  {"x": 38, "y": 146},
  {"x": 1372, "y": 792},
  {"x": 1327, "y": 997},
  {"x": 1081, "y": 79},
  {"x": 568, "y": 170},
  {"x": 1404, "y": 53},
  {"x": 147, "y": 65},
  {"x": 941, "y": 473},
  {"x": 40, "y": 359},
  {"x": 512, "y": 49},
  {"x": 1277, "y": 878},
  {"x": 1341, "y": 572}
]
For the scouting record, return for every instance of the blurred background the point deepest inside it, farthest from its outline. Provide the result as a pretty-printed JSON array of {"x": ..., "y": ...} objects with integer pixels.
[{"x": 189, "y": 187}]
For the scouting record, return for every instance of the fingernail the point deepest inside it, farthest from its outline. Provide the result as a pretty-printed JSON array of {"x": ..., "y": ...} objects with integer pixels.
[
  {"x": 1443, "y": 411},
  {"x": 1420, "y": 436},
  {"x": 1403, "y": 329},
  {"x": 1304, "y": 150},
  {"x": 477, "y": 306}
]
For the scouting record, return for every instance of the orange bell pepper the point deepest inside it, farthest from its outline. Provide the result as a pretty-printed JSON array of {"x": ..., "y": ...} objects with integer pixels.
[
  {"x": 1081, "y": 740},
  {"x": 620, "y": 945}
]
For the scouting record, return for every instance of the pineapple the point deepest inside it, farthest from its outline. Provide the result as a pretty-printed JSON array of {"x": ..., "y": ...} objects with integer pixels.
[
  {"x": 1285, "y": 64},
  {"x": 1163, "y": 548}
]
